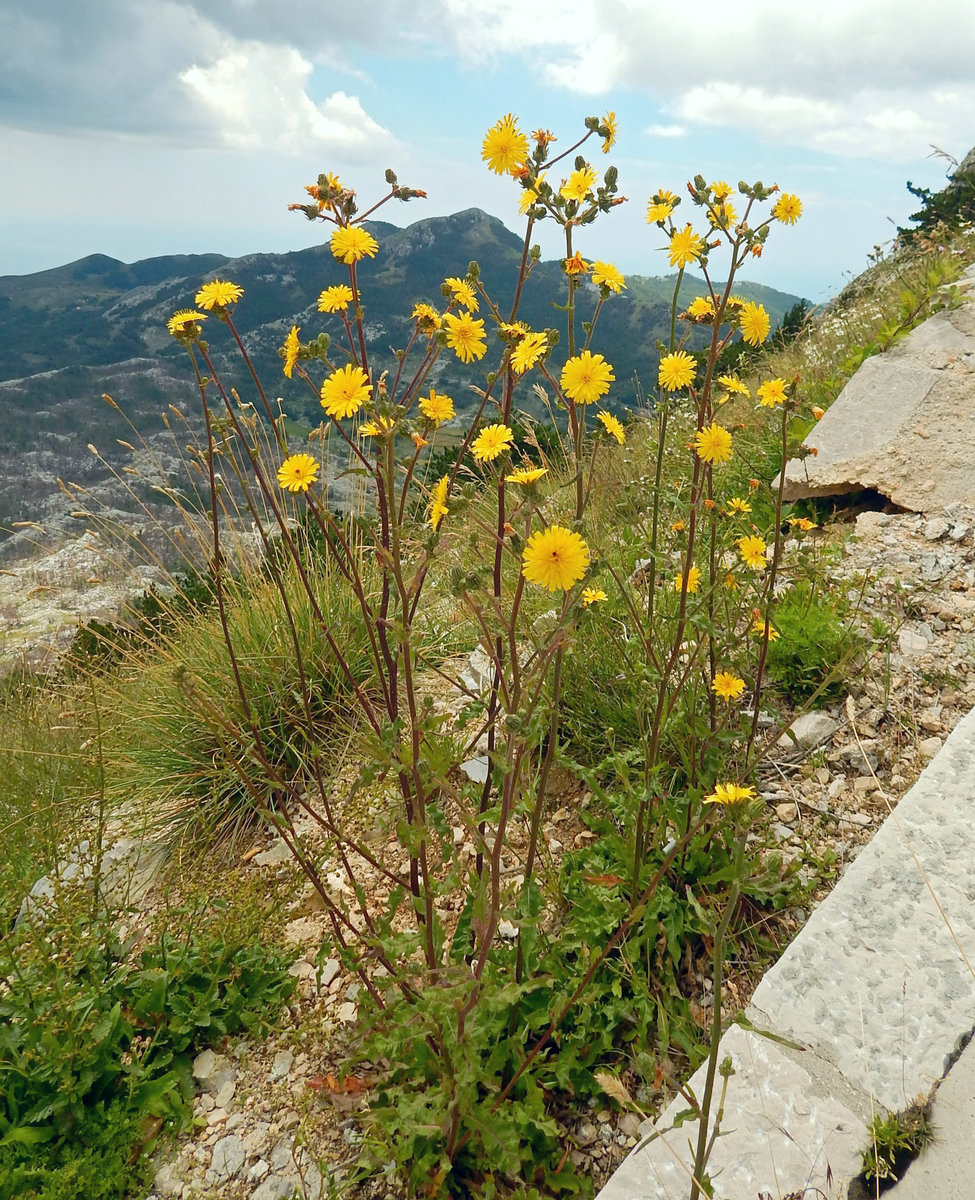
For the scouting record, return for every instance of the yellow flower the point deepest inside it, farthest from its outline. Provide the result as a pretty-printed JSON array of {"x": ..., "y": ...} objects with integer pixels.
[
  {"x": 752, "y": 550},
  {"x": 345, "y": 391},
  {"x": 377, "y": 427},
  {"x": 729, "y": 793},
  {"x": 291, "y": 348},
  {"x": 609, "y": 124},
  {"x": 803, "y": 524},
  {"x": 298, "y": 472},
  {"x": 586, "y": 377},
  {"x": 612, "y": 425},
  {"x": 465, "y": 336},
  {"x": 579, "y": 184},
  {"x": 438, "y": 509},
  {"x": 685, "y": 247},
  {"x": 576, "y": 265},
  {"x": 351, "y": 243},
  {"x": 554, "y": 558},
  {"x": 491, "y": 441},
  {"x": 754, "y": 323},
  {"x": 701, "y": 308},
  {"x": 593, "y": 596},
  {"x": 427, "y": 317},
  {"x": 676, "y": 371},
  {"x": 720, "y": 190},
  {"x": 335, "y": 299},
  {"x": 660, "y": 206},
  {"x": 731, "y": 384},
  {"x": 179, "y": 322},
  {"x": 218, "y": 294},
  {"x": 723, "y": 216},
  {"x": 606, "y": 275},
  {"x": 727, "y": 686},
  {"x": 505, "y": 147},
  {"x": 713, "y": 444},
  {"x": 787, "y": 209},
  {"x": 737, "y": 506},
  {"x": 437, "y": 408},
  {"x": 525, "y": 475},
  {"x": 529, "y": 195},
  {"x": 693, "y": 580},
  {"x": 463, "y": 292},
  {"x": 761, "y": 627},
  {"x": 528, "y": 351},
  {"x": 677, "y": 526},
  {"x": 818, "y": 413},
  {"x": 772, "y": 393}
]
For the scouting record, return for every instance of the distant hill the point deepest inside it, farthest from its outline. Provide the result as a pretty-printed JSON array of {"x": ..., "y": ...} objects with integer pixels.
[{"x": 69, "y": 334}]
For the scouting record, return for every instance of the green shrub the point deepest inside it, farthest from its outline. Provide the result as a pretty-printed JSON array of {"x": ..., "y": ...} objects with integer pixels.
[{"x": 811, "y": 659}]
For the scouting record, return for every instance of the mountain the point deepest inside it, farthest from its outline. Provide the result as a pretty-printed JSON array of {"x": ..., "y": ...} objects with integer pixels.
[{"x": 95, "y": 326}]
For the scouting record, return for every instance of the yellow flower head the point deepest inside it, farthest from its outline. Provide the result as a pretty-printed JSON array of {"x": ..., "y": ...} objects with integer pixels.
[
  {"x": 556, "y": 558},
  {"x": 529, "y": 196},
  {"x": 437, "y": 508},
  {"x": 761, "y": 627},
  {"x": 727, "y": 686},
  {"x": 723, "y": 216},
  {"x": 606, "y": 275},
  {"x": 526, "y": 475},
  {"x": 528, "y": 351},
  {"x": 291, "y": 348},
  {"x": 701, "y": 308},
  {"x": 437, "y": 407},
  {"x": 345, "y": 391},
  {"x": 729, "y": 793},
  {"x": 217, "y": 294},
  {"x": 772, "y": 393},
  {"x": 818, "y": 413},
  {"x": 185, "y": 323},
  {"x": 586, "y": 377},
  {"x": 738, "y": 507},
  {"x": 463, "y": 292},
  {"x": 465, "y": 336},
  {"x": 720, "y": 190},
  {"x": 613, "y": 426},
  {"x": 491, "y": 441},
  {"x": 676, "y": 371},
  {"x": 713, "y": 444},
  {"x": 335, "y": 299},
  {"x": 609, "y": 124},
  {"x": 685, "y": 247},
  {"x": 593, "y": 596},
  {"x": 351, "y": 243},
  {"x": 660, "y": 206},
  {"x": 693, "y": 580},
  {"x": 579, "y": 184},
  {"x": 802, "y": 524},
  {"x": 377, "y": 427},
  {"x": 787, "y": 209},
  {"x": 752, "y": 551},
  {"x": 754, "y": 323},
  {"x": 733, "y": 385},
  {"x": 576, "y": 265},
  {"x": 505, "y": 147},
  {"x": 427, "y": 318},
  {"x": 298, "y": 472}
]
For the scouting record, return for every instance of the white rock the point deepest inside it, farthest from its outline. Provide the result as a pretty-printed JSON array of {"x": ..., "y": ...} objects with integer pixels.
[
  {"x": 283, "y": 1061},
  {"x": 809, "y": 730},
  {"x": 228, "y": 1157}
]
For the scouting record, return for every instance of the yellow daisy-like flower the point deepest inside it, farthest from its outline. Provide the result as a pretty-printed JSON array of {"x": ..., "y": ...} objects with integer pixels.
[
  {"x": 505, "y": 147},
  {"x": 772, "y": 393},
  {"x": 693, "y": 580},
  {"x": 729, "y": 793},
  {"x": 528, "y": 351},
  {"x": 676, "y": 371},
  {"x": 345, "y": 391},
  {"x": 437, "y": 509},
  {"x": 350, "y": 244},
  {"x": 677, "y": 526},
  {"x": 335, "y": 299},
  {"x": 465, "y": 336},
  {"x": 752, "y": 550},
  {"x": 576, "y": 265},
  {"x": 298, "y": 472},
  {"x": 738, "y": 507},
  {"x": 754, "y": 323},
  {"x": 529, "y": 196},
  {"x": 660, "y": 206},
  {"x": 586, "y": 377},
  {"x": 180, "y": 322},
  {"x": 606, "y": 275},
  {"x": 803, "y": 524},
  {"x": 609, "y": 124},
  {"x": 734, "y": 385},
  {"x": 723, "y": 216},
  {"x": 701, "y": 308},
  {"x": 217, "y": 294},
  {"x": 720, "y": 190},
  {"x": 613, "y": 426},
  {"x": 593, "y": 596},
  {"x": 427, "y": 318},
  {"x": 463, "y": 292},
  {"x": 291, "y": 348},
  {"x": 556, "y": 558},
  {"x": 787, "y": 209},
  {"x": 685, "y": 247},
  {"x": 491, "y": 441},
  {"x": 761, "y": 627},
  {"x": 377, "y": 427},
  {"x": 713, "y": 444},
  {"x": 818, "y": 413},
  {"x": 526, "y": 475},
  {"x": 579, "y": 184},
  {"x": 437, "y": 408},
  {"x": 727, "y": 686}
]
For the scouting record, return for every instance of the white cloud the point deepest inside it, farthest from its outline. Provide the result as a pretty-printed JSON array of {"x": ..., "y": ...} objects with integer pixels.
[{"x": 666, "y": 131}]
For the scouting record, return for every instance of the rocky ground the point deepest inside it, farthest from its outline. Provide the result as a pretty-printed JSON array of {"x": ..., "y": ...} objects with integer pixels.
[{"x": 274, "y": 1116}]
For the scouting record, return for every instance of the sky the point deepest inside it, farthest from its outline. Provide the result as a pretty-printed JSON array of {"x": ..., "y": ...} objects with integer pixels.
[{"x": 136, "y": 128}]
